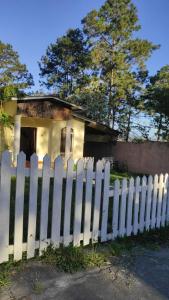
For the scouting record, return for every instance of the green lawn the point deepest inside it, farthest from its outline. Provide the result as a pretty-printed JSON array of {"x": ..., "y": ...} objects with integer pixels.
[{"x": 118, "y": 175}]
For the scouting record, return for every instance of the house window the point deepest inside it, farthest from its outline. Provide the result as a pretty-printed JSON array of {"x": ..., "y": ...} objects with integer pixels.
[{"x": 63, "y": 141}]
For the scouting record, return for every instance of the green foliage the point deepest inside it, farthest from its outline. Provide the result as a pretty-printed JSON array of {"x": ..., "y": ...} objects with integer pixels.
[
  {"x": 156, "y": 102},
  {"x": 94, "y": 101},
  {"x": 5, "y": 120},
  {"x": 116, "y": 53},
  {"x": 14, "y": 76},
  {"x": 64, "y": 63},
  {"x": 7, "y": 269},
  {"x": 102, "y": 68},
  {"x": 38, "y": 287},
  {"x": 72, "y": 259},
  {"x": 119, "y": 175}
]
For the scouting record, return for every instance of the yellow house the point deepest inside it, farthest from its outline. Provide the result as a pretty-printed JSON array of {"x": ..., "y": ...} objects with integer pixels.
[{"x": 48, "y": 125}]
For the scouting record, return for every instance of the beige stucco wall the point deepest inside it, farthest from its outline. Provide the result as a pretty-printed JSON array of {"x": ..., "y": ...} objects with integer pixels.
[
  {"x": 43, "y": 129},
  {"x": 48, "y": 134},
  {"x": 79, "y": 130},
  {"x": 10, "y": 107}
]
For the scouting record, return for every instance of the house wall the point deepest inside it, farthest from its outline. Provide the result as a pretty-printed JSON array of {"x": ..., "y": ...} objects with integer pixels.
[
  {"x": 7, "y": 134},
  {"x": 79, "y": 131},
  {"x": 48, "y": 134},
  {"x": 42, "y": 138},
  {"x": 10, "y": 107}
]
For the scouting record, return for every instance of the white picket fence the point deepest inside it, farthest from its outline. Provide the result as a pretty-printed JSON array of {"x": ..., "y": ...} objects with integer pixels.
[{"x": 74, "y": 205}]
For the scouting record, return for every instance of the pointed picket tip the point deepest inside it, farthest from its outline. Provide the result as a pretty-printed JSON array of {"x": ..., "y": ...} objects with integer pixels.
[
  {"x": 124, "y": 181},
  {"x": 99, "y": 164},
  {"x": 150, "y": 180},
  {"x": 6, "y": 155},
  {"x": 90, "y": 163},
  {"x": 70, "y": 163},
  {"x": 144, "y": 180},
  {"x": 116, "y": 183},
  {"x": 166, "y": 177},
  {"x": 156, "y": 178},
  {"x": 21, "y": 155},
  {"x": 137, "y": 180},
  {"x": 58, "y": 160},
  {"x": 161, "y": 176},
  {"x": 107, "y": 165},
  {"x": 34, "y": 159},
  {"x": 80, "y": 163},
  {"x": 131, "y": 181},
  {"x": 46, "y": 158}
]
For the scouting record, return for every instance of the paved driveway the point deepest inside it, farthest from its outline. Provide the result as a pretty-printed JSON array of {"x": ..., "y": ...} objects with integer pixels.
[{"x": 140, "y": 275}]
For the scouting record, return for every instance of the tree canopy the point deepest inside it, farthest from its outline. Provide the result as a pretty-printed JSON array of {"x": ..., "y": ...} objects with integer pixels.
[
  {"x": 116, "y": 54},
  {"x": 103, "y": 67},
  {"x": 63, "y": 66},
  {"x": 156, "y": 101},
  {"x": 14, "y": 76}
]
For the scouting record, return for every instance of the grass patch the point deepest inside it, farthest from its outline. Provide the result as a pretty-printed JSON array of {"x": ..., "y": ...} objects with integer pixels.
[
  {"x": 38, "y": 287},
  {"x": 8, "y": 269},
  {"x": 118, "y": 175},
  {"x": 152, "y": 240},
  {"x": 72, "y": 259}
]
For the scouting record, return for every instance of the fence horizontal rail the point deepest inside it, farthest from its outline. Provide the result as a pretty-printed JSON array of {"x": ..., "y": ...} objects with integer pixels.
[{"x": 76, "y": 204}]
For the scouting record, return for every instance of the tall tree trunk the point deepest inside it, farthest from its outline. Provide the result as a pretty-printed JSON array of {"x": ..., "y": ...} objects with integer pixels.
[
  {"x": 159, "y": 127},
  {"x": 128, "y": 125}
]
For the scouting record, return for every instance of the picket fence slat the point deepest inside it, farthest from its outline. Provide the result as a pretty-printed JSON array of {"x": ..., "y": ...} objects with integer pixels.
[
  {"x": 164, "y": 200},
  {"x": 123, "y": 208},
  {"x": 159, "y": 202},
  {"x": 57, "y": 201},
  {"x": 154, "y": 204},
  {"x": 19, "y": 206},
  {"x": 32, "y": 206},
  {"x": 143, "y": 204},
  {"x": 75, "y": 206},
  {"x": 5, "y": 183},
  {"x": 136, "y": 206},
  {"x": 68, "y": 202},
  {"x": 97, "y": 199},
  {"x": 88, "y": 200},
  {"x": 149, "y": 198},
  {"x": 167, "y": 209},
  {"x": 115, "y": 216},
  {"x": 130, "y": 207},
  {"x": 78, "y": 203},
  {"x": 105, "y": 202},
  {"x": 44, "y": 203}
]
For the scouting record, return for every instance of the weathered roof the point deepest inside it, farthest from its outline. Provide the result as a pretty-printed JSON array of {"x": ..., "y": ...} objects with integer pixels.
[
  {"x": 51, "y": 98},
  {"x": 97, "y": 126},
  {"x": 75, "y": 108}
]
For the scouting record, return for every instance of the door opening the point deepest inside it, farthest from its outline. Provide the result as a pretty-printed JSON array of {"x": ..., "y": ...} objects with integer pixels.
[{"x": 28, "y": 141}]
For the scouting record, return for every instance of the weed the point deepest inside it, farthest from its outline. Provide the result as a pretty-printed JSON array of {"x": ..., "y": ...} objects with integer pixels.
[
  {"x": 72, "y": 259},
  {"x": 38, "y": 287},
  {"x": 7, "y": 269}
]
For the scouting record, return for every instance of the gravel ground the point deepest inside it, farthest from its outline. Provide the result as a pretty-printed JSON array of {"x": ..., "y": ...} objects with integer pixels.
[{"x": 141, "y": 274}]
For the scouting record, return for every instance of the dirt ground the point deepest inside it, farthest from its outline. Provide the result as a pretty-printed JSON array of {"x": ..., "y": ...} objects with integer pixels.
[{"x": 142, "y": 274}]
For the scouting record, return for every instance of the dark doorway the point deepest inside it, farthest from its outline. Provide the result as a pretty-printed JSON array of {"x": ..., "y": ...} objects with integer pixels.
[{"x": 28, "y": 141}]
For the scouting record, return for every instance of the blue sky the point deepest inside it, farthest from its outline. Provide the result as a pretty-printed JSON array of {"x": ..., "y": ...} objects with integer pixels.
[{"x": 31, "y": 25}]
